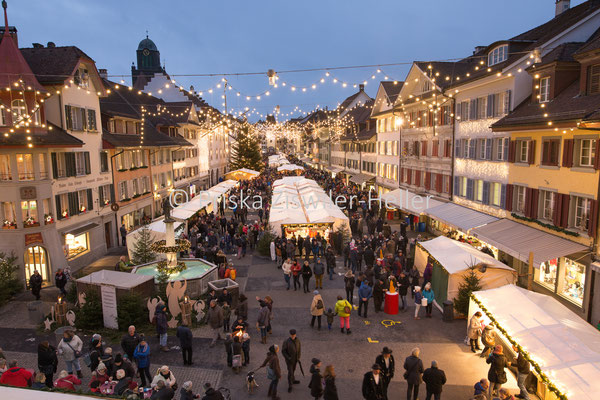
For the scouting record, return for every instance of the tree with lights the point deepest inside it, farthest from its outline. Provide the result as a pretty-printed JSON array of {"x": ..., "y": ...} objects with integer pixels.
[
  {"x": 142, "y": 252},
  {"x": 245, "y": 153}
]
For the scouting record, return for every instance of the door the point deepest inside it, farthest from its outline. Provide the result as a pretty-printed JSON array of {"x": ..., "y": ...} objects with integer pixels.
[
  {"x": 36, "y": 258},
  {"x": 107, "y": 234}
]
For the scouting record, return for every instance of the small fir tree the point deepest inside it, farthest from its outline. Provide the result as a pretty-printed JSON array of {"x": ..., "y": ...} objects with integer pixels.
[
  {"x": 9, "y": 283},
  {"x": 245, "y": 153},
  {"x": 471, "y": 283},
  {"x": 142, "y": 253}
]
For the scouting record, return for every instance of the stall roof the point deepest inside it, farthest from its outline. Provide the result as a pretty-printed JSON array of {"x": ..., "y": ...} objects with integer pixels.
[
  {"x": 518, "y": 240},
  {"x": 459, "y": 217},
  {"x": 121, "y": 280},
  {"x": 359, "y": 179},
  {"x": 15, "y": 393},
  {"x": 334, "y": 169},
  {"x": 457, "y": 256},
  {"x": 289, "y": 167},
  {"x": 566, "y": 347},
  {"x": 409, "y": 201}
]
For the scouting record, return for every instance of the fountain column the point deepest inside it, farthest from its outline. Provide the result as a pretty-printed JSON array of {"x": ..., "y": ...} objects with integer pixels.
[{"x": 170, "y": 241}]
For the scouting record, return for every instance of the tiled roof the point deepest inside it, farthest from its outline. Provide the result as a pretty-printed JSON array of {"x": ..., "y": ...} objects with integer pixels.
[
  {"x": 392, "y": 89},
  {"x": 592, "y": 44},
  {"x": 564, "y": 52},
  {"x": 53, "y": 65},
  {"x": 452, "y": 70},
  {"x": 54, "y": 137}
]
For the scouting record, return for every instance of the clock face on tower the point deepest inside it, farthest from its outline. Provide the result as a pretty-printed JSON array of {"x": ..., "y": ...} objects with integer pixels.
[{"x": 146, "y": 52}]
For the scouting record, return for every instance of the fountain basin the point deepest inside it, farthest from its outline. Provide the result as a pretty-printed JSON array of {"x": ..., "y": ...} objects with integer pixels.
[{"x": 197, "y": 274}]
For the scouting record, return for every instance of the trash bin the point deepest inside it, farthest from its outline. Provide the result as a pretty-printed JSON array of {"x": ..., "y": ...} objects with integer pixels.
[
  {"x": 448, "y": 310},
  {"x": 36, "y": 314},
  {"x": 232, "y": 287}
]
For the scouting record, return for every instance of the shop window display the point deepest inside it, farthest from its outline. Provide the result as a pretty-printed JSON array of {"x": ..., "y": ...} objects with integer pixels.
[
  {"x": 548, "y": 273},
  {"x": 76, "y": 245},
  {"x": 573, "y": 280}
]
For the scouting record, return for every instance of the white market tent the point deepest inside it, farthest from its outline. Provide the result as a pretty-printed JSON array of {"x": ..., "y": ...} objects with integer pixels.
[
  {"x": 565, "y": 347},
  {"x": 289, "y": 167},
  {"x": 121, "y": 280},
  {"x": 297, "y": 200},
  {"x": 455, "y": 259},
  {"x": 14, "y": 393},
  {"x": 408, "y": 201},
  {"x": 277, "y": 159},
  {"x": 242, "y": 173}
]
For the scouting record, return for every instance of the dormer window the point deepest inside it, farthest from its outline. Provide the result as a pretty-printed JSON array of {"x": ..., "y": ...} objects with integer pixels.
[
  {"x": 498, "y": 55},
  {"x": 544, "y": 89},
  {"x": 82, "y": 78},
  {"x": 425, "y": 85},
  {"x": 594, "y": 79}
]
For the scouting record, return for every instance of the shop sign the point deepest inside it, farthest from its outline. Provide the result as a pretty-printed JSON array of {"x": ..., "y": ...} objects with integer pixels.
[
  {"x": 109, "y": 306},
  {"x": 31, "y": 238}
]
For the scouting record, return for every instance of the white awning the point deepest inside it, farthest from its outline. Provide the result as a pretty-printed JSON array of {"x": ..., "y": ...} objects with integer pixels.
[
  {"x": 409, "y": 201},
  {"x": 15, "y": 393},
  {"x": 121, "y": 280},
  {"x": 334, "y": 169},
  {"x": 361, "y": 178},
  {"x": 518, "y": 240},
  {"x": 459, "y": 217}
]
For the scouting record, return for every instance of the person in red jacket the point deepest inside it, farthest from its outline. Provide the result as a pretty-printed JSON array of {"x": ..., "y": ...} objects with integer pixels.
[
  {"x": 66, "y": 381},
  {"x": 296, "y": 268},
  {"x": 16, "y": 376}
]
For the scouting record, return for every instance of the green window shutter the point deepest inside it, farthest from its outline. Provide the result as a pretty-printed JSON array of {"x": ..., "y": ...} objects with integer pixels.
[
  {"x": 90, "y": 200},
  {"x": 58, "y": 207},
  {"x": 88, "y": 169},
  {"x": 54, "y": 165},
  {"x": 68, "y": 117}
]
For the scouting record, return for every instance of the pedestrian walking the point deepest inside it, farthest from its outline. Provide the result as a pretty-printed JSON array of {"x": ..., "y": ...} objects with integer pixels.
[
  {"x": 60, "y": 279},
  {"x": 317, "y": 307},
  {"x": 403, "y": 285},
  {"x": 141, "y": 354},
  {"x": 330, "y": 390},
  {"x": 418, "y": 301},
  {"x": 316, "y": 379},
  {"x": 306, "y": 275},
  {"x": 286, "y": 267},
  {"x": 296, "y": 268},
  {"x": 349, "y": 282},
  {"x": 262, "y": 323},
  {"x": 330, "y": 260},
  {"x": 413, "y": 371},
  {"x": 226, "y": 308},
  {"x": 497, "y": 372},
  {"x": 69, "y": 348},
  {"x": 343, "y": 309},
  {"x": 365, "y": 292},
  {"x": 378, "y": 294},
  {"x": 123, "y": 232},
  {"x": 35, "y": 283},
  {"x": 184, "y": 334},
  {"x": 319, "y": 270},
  {"x": 372, "y": 386},
  {"x": 47, "y": 361},
  {"x": 160, "y": 319},
  {"x": 241, "y": 311},
  {"x": 329, "y": 314},
  {"x": 434, "y": 379},
  {"x": 523, "y": 368},
  {"x": 474, "y": 331},
  {"x": 291, "y": 351},
  {"x": 215, "y": 320},
  {"x": 273, "y": 371},
  {"x": 388, "y": 367}
]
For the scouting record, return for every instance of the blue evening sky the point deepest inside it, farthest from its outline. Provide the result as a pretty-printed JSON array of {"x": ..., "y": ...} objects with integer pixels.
[{"x": 229, "y": 36}]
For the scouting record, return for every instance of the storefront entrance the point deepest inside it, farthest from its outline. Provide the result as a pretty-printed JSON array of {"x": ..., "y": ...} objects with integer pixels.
[{"x": 36, "y": 258}]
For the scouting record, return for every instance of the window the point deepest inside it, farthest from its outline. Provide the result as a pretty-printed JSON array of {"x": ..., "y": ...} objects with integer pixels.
[
  {"x": 544, "y": 95},
  {"x": 502, "y": 149},
  {"x": 136, "y": 189},
  {"x": 123, "y": 190},
  {"x": 495, "y": 194},
  {"x": 479, "y": 190},
  {"x": 76, "y": 245},
  {"x": 462, "y": 111},
  {"x": 523, "y": 151},
  {"x": 572, "y": 281},
  {"x": 103, "y": 161},
  {"x": 9, "y": 216},
  {"x": 587, "y": 152},
  {"x": 29, "y": 213},
  {"x": 550, "y": 149},
  {"x": 36, "y": 258},
  {"x": 498, "y": 55},
  {"x": 25, "y": 167},
  {"x": 519, "y": 199},
  {"x": 547, "y": 199},
  {"x": 83, "y": 202},
  {"x": 3, "y": 119},
  {"x": 76, "y": 118},
  {"x": 5, "y": 170},
  {"x": 482, "y": 108},
  {"x": 581, "y": 215},
  {"x": 19, "y": 110},
  {"x": 91, "y": 120},
  {"x": 594, "y": 79},
  {"x": 547, "y": 274},
  {"x": 105, "y": 194},
  {"x": 463, "y": 186},
  {"x": 79, "y": 163},
  {"x": 43, "y": 162}
]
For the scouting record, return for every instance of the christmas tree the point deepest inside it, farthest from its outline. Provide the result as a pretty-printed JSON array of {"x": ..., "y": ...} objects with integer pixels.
[
  {"x": 142, "y": 253},
  {"x": 471, "y": 283},
  {"x": 245, "y": 153}
]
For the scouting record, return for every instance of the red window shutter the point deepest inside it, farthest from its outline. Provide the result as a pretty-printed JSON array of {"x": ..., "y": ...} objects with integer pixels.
[
  {"x": 567, "y": 156},
  {"x": 564, "y": 220},
  {"x": 409, "y": 176},
  {"x": 436, "y": 146},
  {"x": 512, "y": 147},
  {"x": 448, "y": 150},
  {"x": 528, "y": 196},
  {"x": 508, "y": 201},
  {"x": 535, "y": 195},
  {"x": 531, "y": 155},
  {"x": 439, "y": 184},
  {"x": 424, "y": 148},
  {"x": 557, "y": 214},
  {"x": 417, "y": 178},
  {"x": 593, "y": 225},
  {"x": 597, "y": 157},
  {"x": 428, "y": 180}
]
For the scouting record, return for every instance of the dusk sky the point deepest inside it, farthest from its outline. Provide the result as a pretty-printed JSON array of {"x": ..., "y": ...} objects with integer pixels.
[{"x": 223, "y": 37}]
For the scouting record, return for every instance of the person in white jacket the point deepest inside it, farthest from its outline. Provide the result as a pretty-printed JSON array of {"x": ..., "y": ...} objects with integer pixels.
[
  {"x": 273, "y": 252},
  {"x": 69, "y": 349},
  {"x": 287, "y": 272},
  {"x": 165, "y": 375}
]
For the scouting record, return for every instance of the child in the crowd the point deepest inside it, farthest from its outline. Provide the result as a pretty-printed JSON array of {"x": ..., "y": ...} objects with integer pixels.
[{"x": 329, "y": 314}]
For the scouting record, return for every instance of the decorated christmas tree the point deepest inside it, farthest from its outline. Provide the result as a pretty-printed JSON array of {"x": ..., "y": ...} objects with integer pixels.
[
  {"x": 142, "y": 252},
  {"x": 471, "y": 283},
  {"x": 245, "y": 153}
]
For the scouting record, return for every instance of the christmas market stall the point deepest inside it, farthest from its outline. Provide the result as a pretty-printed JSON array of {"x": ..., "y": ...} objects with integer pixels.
[
  {"x": 452, "y": 259},
  {"x": 242, "y": 174},
  {"x": 562, "y": 348}
]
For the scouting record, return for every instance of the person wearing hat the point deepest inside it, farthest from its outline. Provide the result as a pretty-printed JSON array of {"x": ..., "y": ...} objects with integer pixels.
[
  {"x": 122, "y": 363},
  {"x": 316, "y": 380},
  {"x": 317, "y": 307},
  {"x": 388, "y": 365},
  {"x": 497, "y": 373},
  {"x": 273, "y": 371},
  {"x": 372, "y": 386},
  {"x": 488, "y": 339},
  {"x": 291, "y": 351},
  {"x": 99, "y": 376}
]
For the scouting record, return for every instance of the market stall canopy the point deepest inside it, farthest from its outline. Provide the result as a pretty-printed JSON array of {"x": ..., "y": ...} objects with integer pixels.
[
  {"x": 121, "y": 280},
  {"x": 290, "y": 167},
  {"x": 276, "y": 160},
  {"x": 242, "y": 174},
  {"x": 518, "y": 240},
  {"x": 566, "y": 347},
  {"x": 359, "y": 179},
  {"x": 459, "y": 217},
  {"x": 408, "y": 201},
  {"x": 334, "y": 169},
  {"x": 14, "y": 393}
]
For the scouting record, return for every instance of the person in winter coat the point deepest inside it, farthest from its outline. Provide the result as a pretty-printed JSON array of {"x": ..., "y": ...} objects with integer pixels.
[
  {"x": 160, "y": 318},
  {"x": 99, "y": 376},
  {"x": 430, "y": 296},
  {"x": 184, "y": 334},
  {"x": 273, "y": 371},
  {"x": 316, "y": 379},
  {"x": 481, "y": 387},
  {"x": 317, "y": 307},
  {"x": 214, "y": 316},
  {"x": 418, "y": 300},
  {"x": 343, "y": 309},
  {"x": 47, "y": 361},
  {"x": 306, "y": 273},
  {"x": 372, "y": 385},
  {"x": 187, "y": 393},
  {"x": 388, "y": 366},
  {"x": 16, "y": 376},
  {"x": 349, "y": 282},
  {"x": 286, "y": 267},
  {"x": 242, "y": 307},
  {"x": 427, "y": 273},
  {"x": 68, "y": 348},
  {"x": 164, "y": 374},
  {"x": 162, "y": 392},
  {"x": 122, "y": 363},
  {"x": 403, "y": 285},
  {"x": 474, "y": 331},
  {"x": 330, "y": 390},
  {"x": 129, "y": 342},
  {"x": 319, "y": 270},
  {"x": 365, "y": 292},
  {"x": 488, "y": 339},
  {"x": 378, "y": 294},
  {"x": 414, "y": 369},
  {"x": 497, "y": 373},
  {"x": 296, "y": 268},
  {"x": 330, "y": 260},
  {"x": 66, "y": 381},
  {"x": 35, "y": 283},
  {"x": 141, "y": 354},
  {"x": 523, "y": 368},
  {"x": 434, "y": 379},
  {"x": 291, "y": 351},
  {"x": 61, "y": 280},
  {"x": 264, "y": 315}
]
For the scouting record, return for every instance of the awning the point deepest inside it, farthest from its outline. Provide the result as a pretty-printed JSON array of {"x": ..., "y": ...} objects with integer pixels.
[
  {"x": 307, "y": 160},
  {"x": 518, "y": 240},
  {"x": 81, "y": 229},
  {"x": 334, "y": 169},
  {"x": 361, "y": 178},
  {"x": 409, "y": 201},
  {"x": 595, "y": 266},
  {"x": 459, "y": 217}
]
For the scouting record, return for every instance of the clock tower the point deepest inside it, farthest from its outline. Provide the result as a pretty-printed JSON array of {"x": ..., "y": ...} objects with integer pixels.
[{"x": 148, "y": 63}]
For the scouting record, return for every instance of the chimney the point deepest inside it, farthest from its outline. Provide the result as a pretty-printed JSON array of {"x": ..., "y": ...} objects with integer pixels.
[
  {"x": 561, "y": 6},
  {"x": 361, "y": 87},
  {"x": 37, "y": 45},
  {"x": 51, "y": 45},
  {"x": 103, "y": 72}
]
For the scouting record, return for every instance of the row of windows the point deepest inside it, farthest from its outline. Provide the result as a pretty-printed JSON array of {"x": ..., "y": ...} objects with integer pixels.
[
  {"x": 160, "y": 157},
  {"x": 17, "y": 112},
  {"x": 492, "y": 106},
  {"x": 73, "y": 203},
  {"x": 131, "y": 159},
  {"x": 490, "y": 193},
  {"x": 388, "y": 171},
  {"x": 134, "y": 188},
  {"x": 494, "y": 149},
  {"x": 429, "y": 118},
  {"x": 388, "y": 124},
  {"x": 31, "y": 214},
  {"x": 427, "y": 148},
  {"x": 162, "y": 180},
  {"x": 576, "y": 152},
  {"x": 69, "y": 164},
  {"x": 426, "y": 179},
  {"x": 80, "y": 119},
  {"x": 124, "y": 127},
  {"x": 25, "y": 166},
  {"x": 389, "y": 148}
]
